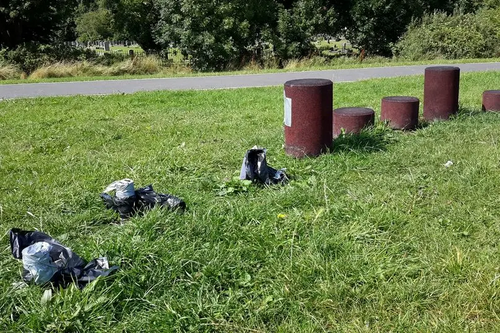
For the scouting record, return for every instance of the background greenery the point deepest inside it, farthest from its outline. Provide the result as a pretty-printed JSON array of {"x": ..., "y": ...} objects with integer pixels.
[
  {"x": 377, "y": 235},
  {"x": 223, "y": 34}
]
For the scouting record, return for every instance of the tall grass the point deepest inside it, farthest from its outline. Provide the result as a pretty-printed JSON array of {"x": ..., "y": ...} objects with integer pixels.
[
  {"x": 10, "y": 72},
  {"x": 148, "y": 65}
]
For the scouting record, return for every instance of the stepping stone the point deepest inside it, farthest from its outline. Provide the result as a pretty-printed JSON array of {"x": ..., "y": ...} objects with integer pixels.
[
  {"x": 401, "y": 112},
  {"x": 491, "y": 100},
  {"x": 352, "y": 120}
]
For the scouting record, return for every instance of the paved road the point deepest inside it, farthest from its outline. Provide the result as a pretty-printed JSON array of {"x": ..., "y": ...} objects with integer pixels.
[{"x": 215, "y": 82}]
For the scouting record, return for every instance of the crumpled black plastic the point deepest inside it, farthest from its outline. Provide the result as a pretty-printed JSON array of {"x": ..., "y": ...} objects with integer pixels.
[
  {"x": 255, "y": 168},
  {"x": 144, "y": 198},
  {"x": 70, "y": 267}
]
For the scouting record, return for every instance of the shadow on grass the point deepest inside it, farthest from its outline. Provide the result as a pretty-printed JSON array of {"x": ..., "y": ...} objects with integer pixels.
[
  {"x": 370, "y": 140},
  {"x": 466, "y": 111},
  {"x": 422, "y": 123}
]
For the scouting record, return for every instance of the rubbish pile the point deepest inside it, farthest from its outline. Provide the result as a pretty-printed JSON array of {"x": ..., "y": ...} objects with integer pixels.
[
  {"x": 46, "y": 260},
  {"x": 127, "y": 201}
]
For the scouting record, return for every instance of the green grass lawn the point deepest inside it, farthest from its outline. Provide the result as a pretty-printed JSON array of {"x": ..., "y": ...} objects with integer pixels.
[{"x": 376, "y": 236}]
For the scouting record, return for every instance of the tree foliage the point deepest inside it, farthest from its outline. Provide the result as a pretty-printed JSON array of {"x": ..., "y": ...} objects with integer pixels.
[
  {"x": 135, "y": 20},
  {"x": 217, "y": 33},
  {"x": 27, "y": 21},
  {"x": 299, "y": 24},
  {"x": 94, "y": 25},
  {"x": 452, "y": 36}
]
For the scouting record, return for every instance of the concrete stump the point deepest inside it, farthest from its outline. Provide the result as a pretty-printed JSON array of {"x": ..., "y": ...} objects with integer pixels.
[
  {"x": 441, "y": 86},
  {"x": 401, "y": 112},
  {"x": 352, "y": 120},
  {"x": 491, "y": 100},
  {"x": 308, "y": 116}
]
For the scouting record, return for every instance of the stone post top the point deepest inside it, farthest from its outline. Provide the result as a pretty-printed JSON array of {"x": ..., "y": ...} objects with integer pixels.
[
  {"x": 353, "y": 111},
  {"x": 308, "y": 83},
  {"x": 400, "y": 99},
  {"x": 442, "y": 68}
]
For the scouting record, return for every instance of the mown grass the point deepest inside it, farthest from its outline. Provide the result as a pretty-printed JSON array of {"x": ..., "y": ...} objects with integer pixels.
[
  {"x": 149, "y": 68},
  {"x": 377, "y": 235}
]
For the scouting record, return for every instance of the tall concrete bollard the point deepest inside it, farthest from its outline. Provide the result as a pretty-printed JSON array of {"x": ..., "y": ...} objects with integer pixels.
[
  {"x": 308, "y": 116},
  {"x": 441, "y": 86},
  {"x": 491, "y": 100}
]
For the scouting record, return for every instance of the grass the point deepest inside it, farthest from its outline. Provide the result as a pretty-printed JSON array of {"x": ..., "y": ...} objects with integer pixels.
[
  {"x": 94, "y": 73},
  {"x": 375, "y": 236}
]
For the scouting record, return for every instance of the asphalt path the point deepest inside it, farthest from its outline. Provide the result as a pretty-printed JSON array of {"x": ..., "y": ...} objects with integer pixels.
[{"x": 8, "y": 91}]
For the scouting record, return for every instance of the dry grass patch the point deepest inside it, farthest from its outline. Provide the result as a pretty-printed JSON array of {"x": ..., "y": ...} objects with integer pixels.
[
  {"x": 10, "y": 72},
  {"x": 138, "y": 66}
]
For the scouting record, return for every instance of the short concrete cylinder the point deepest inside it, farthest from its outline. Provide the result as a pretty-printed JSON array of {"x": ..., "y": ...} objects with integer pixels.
[
  {"x": 491, "y": 100},
  {"x": 308, "y": 116},
  {"x": 441, "y": 87},
  {"x": 401, "y": 112},
  {"x": 351, "y": 120}
]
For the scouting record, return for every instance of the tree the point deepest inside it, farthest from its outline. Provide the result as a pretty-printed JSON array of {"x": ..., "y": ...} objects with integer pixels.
[
  {"x": 23, "y": 21},
  {"x": 299, "y": 22},
  {"x": 135, "y": 20},
  {"x": 216, "y": 34},
  {"x": 94, "y": 25}
]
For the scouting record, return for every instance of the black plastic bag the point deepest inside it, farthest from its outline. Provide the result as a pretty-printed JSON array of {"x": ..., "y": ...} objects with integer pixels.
[
  {"x": 147, "y": 198},
  {"x": 126, "y": 207},
  {"x": 127, "y": 201},
  {"x": 46, "y": 260},
  {"x": 255, "y": 168}
]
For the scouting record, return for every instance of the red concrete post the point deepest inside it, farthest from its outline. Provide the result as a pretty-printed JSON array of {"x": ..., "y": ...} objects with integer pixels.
[
  {"x": 308, "y": 116},
  {"x": 441, "y": 86},
  {"x": 491, "y": 100},
  {"x": 351, "y": 120},
  {"x": 401, "y": 112}
]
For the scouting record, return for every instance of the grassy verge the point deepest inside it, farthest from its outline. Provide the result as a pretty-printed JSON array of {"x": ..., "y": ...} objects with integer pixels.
[
  {"x": 376, "y": 236},
  {"x": 126, "y": 70}
]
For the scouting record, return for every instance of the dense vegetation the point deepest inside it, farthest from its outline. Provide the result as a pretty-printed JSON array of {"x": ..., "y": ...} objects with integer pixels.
[
  {"x": 217, "y": 34},
  {"x": 463, "y": 35}
]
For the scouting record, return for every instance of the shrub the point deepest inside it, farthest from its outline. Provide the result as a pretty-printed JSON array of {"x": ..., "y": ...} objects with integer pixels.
[
  {"x": 452, "y": 36},
  {"x": 31, "y": 56}
]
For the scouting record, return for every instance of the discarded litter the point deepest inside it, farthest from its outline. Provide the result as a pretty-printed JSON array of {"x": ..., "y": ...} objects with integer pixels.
[
  {"x": 127, "y": 201},
  {"x": 448, "y": 164},
  {"x": 255, "y": 168},
  {"x": 46, "y": 260}
]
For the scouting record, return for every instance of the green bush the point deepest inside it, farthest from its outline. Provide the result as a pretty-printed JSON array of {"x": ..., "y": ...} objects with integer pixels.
[
  {"x": 452, "y": 36},
  {"x": 28, "y": 57}
]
